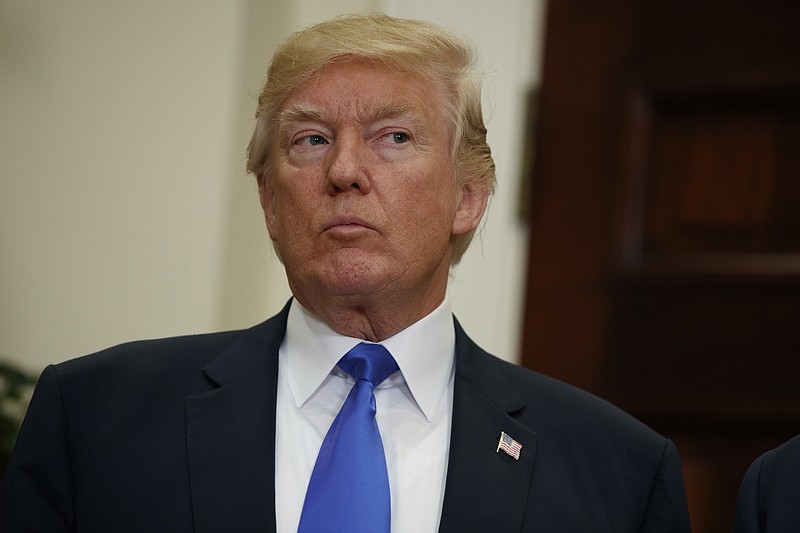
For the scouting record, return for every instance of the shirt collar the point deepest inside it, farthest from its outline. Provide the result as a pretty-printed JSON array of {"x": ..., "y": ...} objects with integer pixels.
[{"x": 424, "y": 351}]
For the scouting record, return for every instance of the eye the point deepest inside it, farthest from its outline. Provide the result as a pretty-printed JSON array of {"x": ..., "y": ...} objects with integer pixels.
[
  {"x": 398, "y": 137},
  {"x": 312, "y": 140}
]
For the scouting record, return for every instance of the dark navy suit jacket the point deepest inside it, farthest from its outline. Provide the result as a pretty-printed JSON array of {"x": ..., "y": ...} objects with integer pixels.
[
  {"x": 769, "y": 498},
  {"x": 179, "y": 435}
]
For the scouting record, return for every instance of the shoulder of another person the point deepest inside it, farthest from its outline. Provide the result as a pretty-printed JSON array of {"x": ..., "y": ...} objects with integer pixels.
[
  {"x": 788, "y": 451},
  {"x": 782, "y": 462}
]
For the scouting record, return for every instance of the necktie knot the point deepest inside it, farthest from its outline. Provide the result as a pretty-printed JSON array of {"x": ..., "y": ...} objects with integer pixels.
[{"x": 372, "y": 362}]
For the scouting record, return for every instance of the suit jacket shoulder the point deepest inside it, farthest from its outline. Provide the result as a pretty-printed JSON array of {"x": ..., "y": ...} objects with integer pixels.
[
  {"x": 584, "y": 464},
  {"x": 151, "y": 436}
]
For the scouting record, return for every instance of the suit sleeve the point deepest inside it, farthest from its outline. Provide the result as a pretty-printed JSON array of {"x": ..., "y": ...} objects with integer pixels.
[
  {"x": 667, "y": 509},
  {"x": 35, "y": 494}
]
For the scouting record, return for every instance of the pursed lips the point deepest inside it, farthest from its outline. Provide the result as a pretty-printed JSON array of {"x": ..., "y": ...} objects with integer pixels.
[{"x": 346, "y": 225}]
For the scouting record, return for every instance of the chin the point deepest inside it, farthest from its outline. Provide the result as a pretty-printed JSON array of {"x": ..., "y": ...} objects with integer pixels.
[
  {"x": 343, "y": 284},
  {"x": 356, "y": 275}
]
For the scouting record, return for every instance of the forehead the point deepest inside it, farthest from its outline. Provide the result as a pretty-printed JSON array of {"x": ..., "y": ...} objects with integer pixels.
[{"x": 364, "y": 90}]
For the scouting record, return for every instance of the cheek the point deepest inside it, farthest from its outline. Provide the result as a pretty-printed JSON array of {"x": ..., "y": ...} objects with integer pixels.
[
  {"x": 294, "y": 212},
  {"x": 284, "y": 211},
  {"x": 428, "y": 217},
  {"x": 432, "y": 208},
  {"x": 289, "y": 190}
]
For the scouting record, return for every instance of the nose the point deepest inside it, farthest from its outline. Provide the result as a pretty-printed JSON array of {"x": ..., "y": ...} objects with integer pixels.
[{"x": 348, "y": 166}]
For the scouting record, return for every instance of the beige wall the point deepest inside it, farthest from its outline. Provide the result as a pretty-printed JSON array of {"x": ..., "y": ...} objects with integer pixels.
[{"x": 125, "y": 211}]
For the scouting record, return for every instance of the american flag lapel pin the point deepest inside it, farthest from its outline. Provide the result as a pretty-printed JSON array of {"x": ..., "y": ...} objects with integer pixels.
[{"x": 509, "y": 445}]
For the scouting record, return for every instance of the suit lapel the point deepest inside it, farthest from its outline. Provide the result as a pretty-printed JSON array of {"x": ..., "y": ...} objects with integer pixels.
[
  {"x": 230, "y": 433},
  {"x": 485, "y": 490}
]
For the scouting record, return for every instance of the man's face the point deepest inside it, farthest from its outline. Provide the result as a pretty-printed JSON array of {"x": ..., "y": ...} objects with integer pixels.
[{"x": 361, "y": 200}]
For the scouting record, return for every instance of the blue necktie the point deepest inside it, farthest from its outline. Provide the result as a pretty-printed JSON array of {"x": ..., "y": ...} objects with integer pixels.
[{"x": 349, "y": 487}]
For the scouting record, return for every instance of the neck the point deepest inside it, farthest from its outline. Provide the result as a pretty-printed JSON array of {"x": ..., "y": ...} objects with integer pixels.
[{"x": 371, "y": 318}]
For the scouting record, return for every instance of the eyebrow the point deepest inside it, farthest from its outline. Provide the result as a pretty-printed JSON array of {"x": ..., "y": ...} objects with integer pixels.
[
  {"x": 299, "y": 113},
  {"x": 368, "y": 113},
  {"x": 388, "y": 110}
]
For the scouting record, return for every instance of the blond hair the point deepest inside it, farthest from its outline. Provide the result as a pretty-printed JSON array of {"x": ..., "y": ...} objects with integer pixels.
[{"x": 402, "y": 45}]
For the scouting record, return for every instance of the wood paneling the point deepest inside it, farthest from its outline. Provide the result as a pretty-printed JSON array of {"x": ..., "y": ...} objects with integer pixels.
[{"x": 665, "y": 225}]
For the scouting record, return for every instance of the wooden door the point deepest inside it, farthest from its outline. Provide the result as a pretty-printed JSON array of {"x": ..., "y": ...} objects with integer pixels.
[{"x": 664, "y": 267}]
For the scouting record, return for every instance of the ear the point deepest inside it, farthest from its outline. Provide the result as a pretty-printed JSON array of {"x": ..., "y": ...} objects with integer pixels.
[
  {"x": 266, "y": 196},
  {"x": 470, "y": 209}
]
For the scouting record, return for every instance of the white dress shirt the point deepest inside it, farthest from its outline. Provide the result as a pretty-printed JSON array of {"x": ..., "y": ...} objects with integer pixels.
[{"x": 414, "y": 411}]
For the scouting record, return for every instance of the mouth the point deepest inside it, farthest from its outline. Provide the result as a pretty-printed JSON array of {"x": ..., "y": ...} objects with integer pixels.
[{"x": 347, "y": 225}]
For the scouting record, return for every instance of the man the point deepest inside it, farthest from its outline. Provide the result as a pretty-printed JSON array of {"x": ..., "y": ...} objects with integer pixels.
[
  {"x": 373, "y": 173},
  {"x": 769, "y": 498}
]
